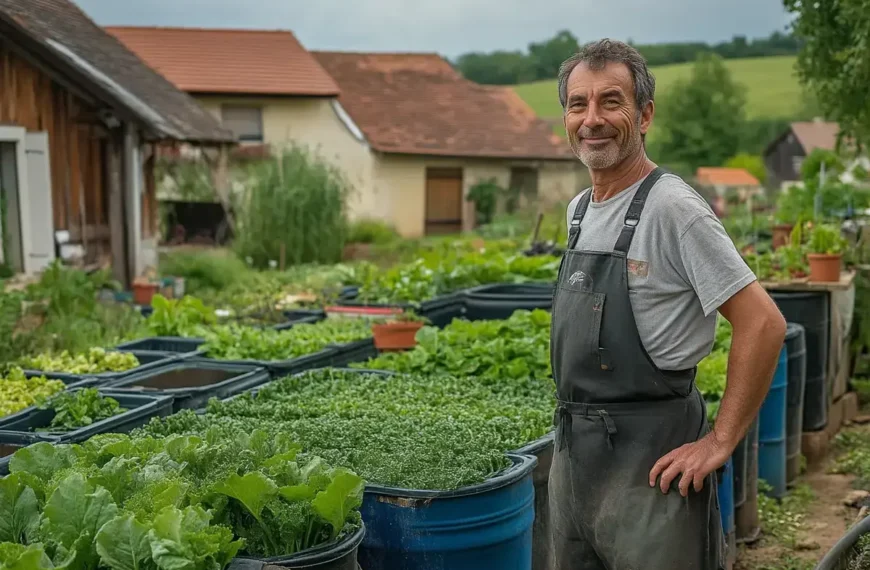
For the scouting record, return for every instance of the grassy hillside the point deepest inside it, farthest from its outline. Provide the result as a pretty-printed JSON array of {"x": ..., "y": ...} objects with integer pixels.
[{"x": 773, "y": 88}]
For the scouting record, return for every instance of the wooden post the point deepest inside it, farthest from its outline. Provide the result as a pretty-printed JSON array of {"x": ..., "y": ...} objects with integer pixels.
[{"x": 114, "y": 182}]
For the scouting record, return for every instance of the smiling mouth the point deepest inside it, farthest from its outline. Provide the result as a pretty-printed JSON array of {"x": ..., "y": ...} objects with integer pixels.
[{"x": 597, "y": 140}]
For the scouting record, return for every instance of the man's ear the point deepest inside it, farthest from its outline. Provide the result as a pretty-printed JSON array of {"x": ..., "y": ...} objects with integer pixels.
[{"x": 646, "y": 117}]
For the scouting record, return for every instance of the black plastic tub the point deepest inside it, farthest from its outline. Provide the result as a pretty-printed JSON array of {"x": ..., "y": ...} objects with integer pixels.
[
  {"x": 280, "y": 368},
  {"x": 812, "y": 311},
  {"x": 147, "y": 359},
  {"x": 70, "y": 380},
  {"x": 339, "y": 555},
  {"x": 440, "y": 311},
  {"x": 795, "y": 341},
  {"x": 740, "y": 459},
  {"x": 358, "y": 351},
  {"x": 140, "y": 409},
  {"x": 542, "y": 547},
  {"x": 191, "y": 383},
  {"x": 845, "y": 551},
  {"x": 500, "y": 300},
  {"x": 297, "y": 316},
  {"x": 170, "y": 344}
]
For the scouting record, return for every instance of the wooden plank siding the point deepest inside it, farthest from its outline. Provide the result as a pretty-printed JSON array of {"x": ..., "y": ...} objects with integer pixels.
[{"x": 77, "y": 144}]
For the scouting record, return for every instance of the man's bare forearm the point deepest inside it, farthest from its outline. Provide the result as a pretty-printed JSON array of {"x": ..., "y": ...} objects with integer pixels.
[{"x": 755, "y": 348}]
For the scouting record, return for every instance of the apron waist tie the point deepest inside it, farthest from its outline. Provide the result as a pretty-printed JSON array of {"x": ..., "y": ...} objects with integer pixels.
[
  {"x": 565, "y": 425},
  {"x": 609, "y": 427}
]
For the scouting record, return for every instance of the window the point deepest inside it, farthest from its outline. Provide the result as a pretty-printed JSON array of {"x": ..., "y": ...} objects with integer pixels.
[{"x": 245, "y": 122}]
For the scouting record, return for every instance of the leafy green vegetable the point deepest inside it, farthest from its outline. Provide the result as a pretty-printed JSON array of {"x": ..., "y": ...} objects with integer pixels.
[
  {"x": 181, "y": 502},
  {"x": 233, "y": 342},
  {"x": 79, "y": 409},
  {"x": 518, "y": 347},
  {"x": 183, "y": 317},
  {"x": 17, "y": 392},
  {"x": 94, "y": 361},
  {"x": 713, "y": 370},
  {"x": 20, "y": 557}
]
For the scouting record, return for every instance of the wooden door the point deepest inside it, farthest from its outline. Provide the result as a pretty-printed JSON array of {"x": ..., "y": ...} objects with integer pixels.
[{"x": 443, "y": 200}]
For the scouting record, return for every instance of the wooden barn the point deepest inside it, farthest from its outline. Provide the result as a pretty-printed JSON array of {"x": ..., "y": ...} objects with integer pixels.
[{"x": 81, "y": 121}]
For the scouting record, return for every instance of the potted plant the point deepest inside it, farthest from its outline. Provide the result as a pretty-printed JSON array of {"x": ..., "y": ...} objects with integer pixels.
[
  {"x": 398, "y": 333},
  {"x": 825, "y": 253},
  {"x": 143, "y": 290}
]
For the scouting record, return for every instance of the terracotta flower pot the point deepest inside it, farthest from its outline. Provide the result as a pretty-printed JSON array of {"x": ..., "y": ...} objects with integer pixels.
[
  {"x": 143, "y": 292},
  {"x": 396, "y": 336},
  {"x": 781, "y": 234},
  {"x": 825, "y": 268}
]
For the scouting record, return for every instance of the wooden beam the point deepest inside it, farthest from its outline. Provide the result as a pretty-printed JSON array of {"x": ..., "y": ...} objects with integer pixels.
[{"x": 115, "y": 180}]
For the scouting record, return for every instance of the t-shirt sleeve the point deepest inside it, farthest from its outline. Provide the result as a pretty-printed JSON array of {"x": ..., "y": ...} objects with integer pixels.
[{"x": 712, "y": 264}]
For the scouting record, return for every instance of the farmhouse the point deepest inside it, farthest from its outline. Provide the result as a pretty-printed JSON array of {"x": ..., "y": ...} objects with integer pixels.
[
  {"x": 728, "y": 182},
  {"x": 80, "y": 118},
  {"x": 407, "y": 131},
  {"x": 432, "y": 135},
  {"x": 784, "y": 156}
]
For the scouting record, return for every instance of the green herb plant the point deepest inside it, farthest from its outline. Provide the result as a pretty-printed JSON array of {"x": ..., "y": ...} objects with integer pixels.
[
  {"x": 185, "y": 317},
  {"x": 94, "y": 361},
  {"x": 78, "y": 409},
  {"x": 18, "y": 392}
]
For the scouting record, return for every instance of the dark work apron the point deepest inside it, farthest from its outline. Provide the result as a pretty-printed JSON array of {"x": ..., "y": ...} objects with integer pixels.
[{"x": 618, "y": 413}]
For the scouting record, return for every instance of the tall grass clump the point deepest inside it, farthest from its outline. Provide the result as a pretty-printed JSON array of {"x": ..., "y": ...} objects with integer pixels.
[{"x": 297, "y": 200}]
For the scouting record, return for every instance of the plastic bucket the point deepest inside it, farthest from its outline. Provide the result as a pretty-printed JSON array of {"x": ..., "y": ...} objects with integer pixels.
[
  {"x": 812, "y": 311},
  {"x": 725, "y": 491},
  {"x": 740, "y": 459},
  {"x": 140, "y": 409},
  {"x": 772, "y": 430},
  {"x": 499, "y": 301},
  {"x": 171, "y": 344},
  {"x": 542, "y": 547},
  {"x": 795, "y": 342},
  {"x": 341, "y": 555},
  {"x": 481, "y": 526},
  {"x": 191, "y": 383},
  {"x": 746, "y": 515}
]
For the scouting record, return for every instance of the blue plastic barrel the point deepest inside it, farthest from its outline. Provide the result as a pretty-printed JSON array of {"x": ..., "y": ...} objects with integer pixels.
[
  {"x": 772, "y": 430},
  {"x": 726, "y": 496},
  {"x": 483, "y": 526}
]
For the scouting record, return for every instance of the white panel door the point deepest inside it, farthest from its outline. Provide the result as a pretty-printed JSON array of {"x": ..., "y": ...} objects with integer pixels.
[{"x": 37, "y": 194}]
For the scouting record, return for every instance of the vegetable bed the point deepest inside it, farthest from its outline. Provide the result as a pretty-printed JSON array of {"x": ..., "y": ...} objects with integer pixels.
[
  {"x": 117, "y": 502},
  {"x": 414, "y": 431},
  {"x": 18, "y": 392},
  {"x": 94, "y": 361}
]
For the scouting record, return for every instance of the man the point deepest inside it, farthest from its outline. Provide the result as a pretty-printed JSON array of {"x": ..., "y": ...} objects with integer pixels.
[{"x": 648, "y": 265}]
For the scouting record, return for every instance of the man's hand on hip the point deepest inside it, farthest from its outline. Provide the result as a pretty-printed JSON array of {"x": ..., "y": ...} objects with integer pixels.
[{"x": 694, "y": 461}]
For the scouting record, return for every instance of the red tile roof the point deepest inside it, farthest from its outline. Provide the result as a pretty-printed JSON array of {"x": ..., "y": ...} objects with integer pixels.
[
  {"x": 418, "y": 104},
  {"x": 249, "y": 62},
  {"x": 725, "y": 176}
]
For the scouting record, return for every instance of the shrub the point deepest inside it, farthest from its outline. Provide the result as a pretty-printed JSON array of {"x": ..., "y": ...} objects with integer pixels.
[
  {"x": 371, "y": 231},
  {"x": 297, "y": 201}
]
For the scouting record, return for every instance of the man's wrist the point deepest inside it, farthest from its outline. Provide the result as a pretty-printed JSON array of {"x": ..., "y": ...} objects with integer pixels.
[{"x": 724, "y": 439}]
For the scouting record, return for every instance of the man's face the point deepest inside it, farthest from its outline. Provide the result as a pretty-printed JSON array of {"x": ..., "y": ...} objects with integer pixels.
[{"x": 601, "y": 117}]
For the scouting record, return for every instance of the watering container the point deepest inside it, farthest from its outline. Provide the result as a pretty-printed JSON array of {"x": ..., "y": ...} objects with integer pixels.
[
  {"x": 474, "y": 528},
  {"x": 771, "y": 429},
  {"x": 795, "y": 342},
  {"x": 812, "y": 311}
]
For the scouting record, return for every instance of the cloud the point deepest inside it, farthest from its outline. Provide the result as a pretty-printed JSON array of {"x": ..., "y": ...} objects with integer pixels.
[{"x": 451, "y": 27}]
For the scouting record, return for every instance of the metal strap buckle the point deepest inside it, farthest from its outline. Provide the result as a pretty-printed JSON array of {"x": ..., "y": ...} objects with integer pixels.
[{"x": 631, "y": 222}]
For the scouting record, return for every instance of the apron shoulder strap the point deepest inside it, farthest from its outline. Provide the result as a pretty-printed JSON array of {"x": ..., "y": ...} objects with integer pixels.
[
  {"x": 632, "y": 216},
  {"x": 579, "y": 213}
]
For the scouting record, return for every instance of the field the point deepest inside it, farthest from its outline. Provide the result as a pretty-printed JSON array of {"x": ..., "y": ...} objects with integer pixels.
[{"x": 773, "y": 88}]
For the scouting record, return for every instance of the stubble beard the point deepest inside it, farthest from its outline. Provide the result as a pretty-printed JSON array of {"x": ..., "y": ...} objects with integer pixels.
[{"x": 609, "y": 156}]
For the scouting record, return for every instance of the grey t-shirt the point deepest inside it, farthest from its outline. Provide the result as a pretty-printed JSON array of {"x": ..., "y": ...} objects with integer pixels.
[{"x": 682, "y": 266}]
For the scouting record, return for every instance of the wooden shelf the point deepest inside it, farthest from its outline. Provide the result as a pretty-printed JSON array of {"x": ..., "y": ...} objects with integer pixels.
[{"x": 847, "y": 279}]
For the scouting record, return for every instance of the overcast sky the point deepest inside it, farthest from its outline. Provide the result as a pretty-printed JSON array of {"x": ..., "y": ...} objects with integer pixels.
[{"x": 451, "y": 27}]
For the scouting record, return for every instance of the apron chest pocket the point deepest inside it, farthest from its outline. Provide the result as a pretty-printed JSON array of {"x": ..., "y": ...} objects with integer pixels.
[{"x": 582, "y": 312}]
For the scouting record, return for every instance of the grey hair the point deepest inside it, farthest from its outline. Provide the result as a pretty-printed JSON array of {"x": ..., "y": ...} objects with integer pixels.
[{"x": 598, "y": 54}]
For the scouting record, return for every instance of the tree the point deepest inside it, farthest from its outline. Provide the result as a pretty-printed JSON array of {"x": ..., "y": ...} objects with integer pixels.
[
  {"x": 702, "y": 117},
  {"x": 751, "y": 163},
  {"x": 834, "y": 61},
  {"x": 548, "y": 56}
]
